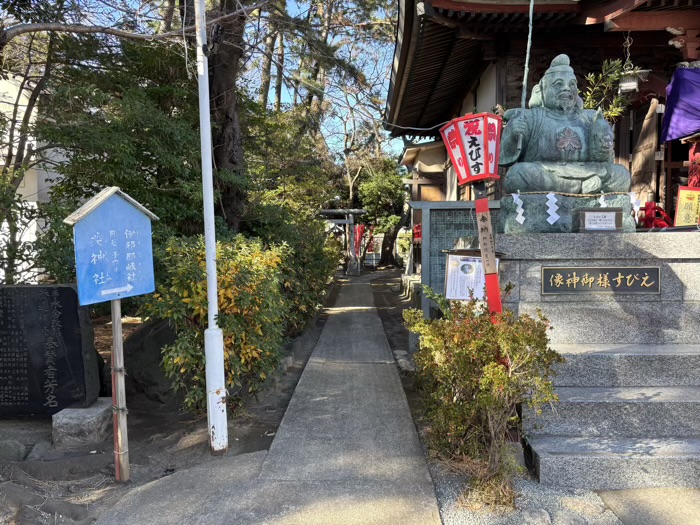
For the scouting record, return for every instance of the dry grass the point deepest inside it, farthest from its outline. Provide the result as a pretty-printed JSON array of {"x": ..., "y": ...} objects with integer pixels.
[
  {"x": 483, "y": 492},
  {"x": 73, "y": 491},
  {"x": 496, "y": 495}
]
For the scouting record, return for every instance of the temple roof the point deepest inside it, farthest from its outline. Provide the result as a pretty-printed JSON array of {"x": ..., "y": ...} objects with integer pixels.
[{"x": 443, "y": 46}]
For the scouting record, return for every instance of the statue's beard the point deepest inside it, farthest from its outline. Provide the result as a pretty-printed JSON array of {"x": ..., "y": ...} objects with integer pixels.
[{"x": 565, "y": 102}]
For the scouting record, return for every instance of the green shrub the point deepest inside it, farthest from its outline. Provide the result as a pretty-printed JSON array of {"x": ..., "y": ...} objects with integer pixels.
[
  {"x": 252, "y": 313},
  {"x": 312, "y": 262},
  {"x": 473, "y": 371}
]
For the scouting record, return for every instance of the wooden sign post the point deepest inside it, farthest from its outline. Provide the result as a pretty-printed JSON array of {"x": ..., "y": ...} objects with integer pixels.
[
  {"x": 487, "y": 245},
  {"x": 113, "y": 260}
]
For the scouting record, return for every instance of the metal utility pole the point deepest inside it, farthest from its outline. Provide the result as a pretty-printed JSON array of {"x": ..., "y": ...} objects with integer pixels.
[{"x": 213, "y": 336}]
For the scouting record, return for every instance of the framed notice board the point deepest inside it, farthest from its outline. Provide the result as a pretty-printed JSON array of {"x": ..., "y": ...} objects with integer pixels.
[
  {"x": 687, "y": 206},
  {"x": 464, "y": 275}
]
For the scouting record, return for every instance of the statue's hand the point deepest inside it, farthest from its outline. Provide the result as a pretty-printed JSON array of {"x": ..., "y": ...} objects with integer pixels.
[
  {"x": 518, "y": 127},
  {"x": 592, "y": 185}
]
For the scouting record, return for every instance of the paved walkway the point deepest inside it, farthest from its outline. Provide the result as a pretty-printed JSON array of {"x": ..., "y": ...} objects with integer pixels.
[{"x": 346, "y": 452}]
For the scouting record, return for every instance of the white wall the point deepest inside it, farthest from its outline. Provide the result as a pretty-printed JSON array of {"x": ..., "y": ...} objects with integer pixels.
[
  {"x": 485, "y": 94},
  {"x": 34, "y": 187},
  {"x": 451, "y": 193}
]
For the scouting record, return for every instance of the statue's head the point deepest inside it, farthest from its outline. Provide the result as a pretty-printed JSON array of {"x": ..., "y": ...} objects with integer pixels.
[{"x": 558, "y": 86}]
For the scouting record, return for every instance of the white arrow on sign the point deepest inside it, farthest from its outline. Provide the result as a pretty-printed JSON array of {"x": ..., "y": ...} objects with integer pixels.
[{"x": 111, "y": 291}]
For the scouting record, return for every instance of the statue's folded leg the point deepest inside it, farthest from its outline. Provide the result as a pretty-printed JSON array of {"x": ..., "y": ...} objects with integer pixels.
[
  {"x": 619, "y": 179},
  {"x": 532, "y": 176}
]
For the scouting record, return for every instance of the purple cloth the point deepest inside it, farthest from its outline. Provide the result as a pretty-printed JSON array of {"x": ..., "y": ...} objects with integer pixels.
[{"x": 682, "y": 115}]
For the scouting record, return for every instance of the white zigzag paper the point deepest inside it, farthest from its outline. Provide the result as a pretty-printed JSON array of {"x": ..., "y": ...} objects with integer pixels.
[
  {"x": 520, "y": 217},
  {"x": 552, "y": 208}
]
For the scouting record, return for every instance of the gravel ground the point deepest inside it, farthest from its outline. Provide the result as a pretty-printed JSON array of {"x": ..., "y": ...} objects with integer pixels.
[{"x": 535, "y": 504}]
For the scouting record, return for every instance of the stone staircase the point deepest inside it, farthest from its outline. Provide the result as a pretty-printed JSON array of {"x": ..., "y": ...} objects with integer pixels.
[{"x": 628, "y": 417}]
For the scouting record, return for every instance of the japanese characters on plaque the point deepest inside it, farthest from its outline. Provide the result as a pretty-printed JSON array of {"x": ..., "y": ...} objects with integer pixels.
[
  {"x": 473, "y": 144},
  {"x": 14, "y": 356},
  {"x": 688, "y": 207},
  {"x": 47, "y": 359},
  {"x": 600, "y": 221},
  {"x": 113, "y": 249},
  {"x": 487, "y": 240},
  {"x": 49, "y": 312},
  {"x": 614, "y": 280}
]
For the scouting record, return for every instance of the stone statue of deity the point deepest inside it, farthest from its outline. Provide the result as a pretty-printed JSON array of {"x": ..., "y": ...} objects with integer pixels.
[{"x": 556, "y": 145}]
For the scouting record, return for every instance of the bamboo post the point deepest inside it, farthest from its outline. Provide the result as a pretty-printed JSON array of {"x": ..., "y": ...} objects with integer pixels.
[{"x": 121, "y": 439}]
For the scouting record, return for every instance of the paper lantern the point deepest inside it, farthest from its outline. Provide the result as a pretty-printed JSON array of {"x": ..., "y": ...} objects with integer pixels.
[{"x": 473, "y": 143}]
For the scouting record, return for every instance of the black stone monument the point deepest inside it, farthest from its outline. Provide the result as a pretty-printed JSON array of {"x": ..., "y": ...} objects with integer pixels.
[{"x": 47, "y": 355}]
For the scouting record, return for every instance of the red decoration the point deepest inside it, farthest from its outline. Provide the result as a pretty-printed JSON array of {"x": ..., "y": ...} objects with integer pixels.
[
  {"x": 473, "y": 143},
  {"x": 417, "y": 233},
  {"x": 694, "y": 168},
  {"x": 359, "y": 233},
  {"x": 650, "y": 219}
]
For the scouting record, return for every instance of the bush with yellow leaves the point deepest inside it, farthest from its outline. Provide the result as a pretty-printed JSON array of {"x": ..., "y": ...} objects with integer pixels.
[{"x": 253, "y": 313}]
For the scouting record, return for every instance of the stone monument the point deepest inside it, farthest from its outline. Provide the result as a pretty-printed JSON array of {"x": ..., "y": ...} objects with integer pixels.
[
  {"x": 47, "y": 356},
  {"x": 560, "y": 159}
]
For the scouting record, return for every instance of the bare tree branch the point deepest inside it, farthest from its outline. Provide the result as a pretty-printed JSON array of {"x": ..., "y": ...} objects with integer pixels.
[{"x": 20, "y": 29}]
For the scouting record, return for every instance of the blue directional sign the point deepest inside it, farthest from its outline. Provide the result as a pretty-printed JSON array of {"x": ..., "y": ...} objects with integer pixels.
[{"x": 113, "y": 250}]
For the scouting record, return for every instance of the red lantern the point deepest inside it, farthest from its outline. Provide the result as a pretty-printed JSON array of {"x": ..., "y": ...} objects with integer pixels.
[{"x": 473, "y": 142}]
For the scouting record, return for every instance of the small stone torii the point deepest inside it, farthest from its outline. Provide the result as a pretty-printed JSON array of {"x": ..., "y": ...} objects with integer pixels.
[{"x": 349, "y": 220}]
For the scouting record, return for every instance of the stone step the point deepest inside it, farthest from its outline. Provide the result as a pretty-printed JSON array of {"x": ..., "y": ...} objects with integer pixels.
[
  {"x": 615, "y": 463},
  {"x": 620, "y": 411},
  {"x": 608, "y": 365}
]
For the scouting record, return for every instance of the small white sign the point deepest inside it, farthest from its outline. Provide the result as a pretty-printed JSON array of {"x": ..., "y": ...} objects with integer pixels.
[
  {"x": 599, "y": 220},
  {"x": 462, "y": 274}
]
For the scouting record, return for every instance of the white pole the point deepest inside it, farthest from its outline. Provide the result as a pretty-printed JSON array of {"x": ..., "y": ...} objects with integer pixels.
[{"x": 213, "y": 336}]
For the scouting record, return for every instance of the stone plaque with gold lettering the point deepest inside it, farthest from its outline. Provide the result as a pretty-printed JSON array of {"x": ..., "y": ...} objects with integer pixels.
[{"x": 614, "y": 280}]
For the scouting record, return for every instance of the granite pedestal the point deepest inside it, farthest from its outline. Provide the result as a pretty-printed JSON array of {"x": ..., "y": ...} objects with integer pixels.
[
  {"x": 629, "y": 409},
  {"x": 667, "y": 317}
]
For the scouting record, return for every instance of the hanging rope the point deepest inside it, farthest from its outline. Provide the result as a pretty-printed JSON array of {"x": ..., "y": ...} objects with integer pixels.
[
  {"x": 526, "y": 72},
  {"x": 627, "y": 66}
]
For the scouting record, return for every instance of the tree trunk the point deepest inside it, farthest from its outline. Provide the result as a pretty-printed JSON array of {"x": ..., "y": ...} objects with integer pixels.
[
  {"x": 226, "y": 137},
  {"x": 298, "y": 99},
  {"x": 389, "y": 242},
  {"x": 280, "y": 73},
  {"x": 387, "y": 258},
  {"x": 266, "y": 74},
  {"x": 168, "y": 16},
  {"x": 18, "y": 148},
  {"x": 186, "y": 12},
  {"x": 11, "y": 244},
  {"x": 314, "y": 98}
]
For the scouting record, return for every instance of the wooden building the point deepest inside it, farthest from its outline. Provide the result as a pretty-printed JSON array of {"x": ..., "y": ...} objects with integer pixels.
[{"x": 455, "y": 57}]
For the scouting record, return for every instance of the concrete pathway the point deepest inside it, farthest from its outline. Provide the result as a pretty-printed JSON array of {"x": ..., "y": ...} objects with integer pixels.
[
  {"x": 346, "y": 452},
  {"x": 671, "y": 506}
]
